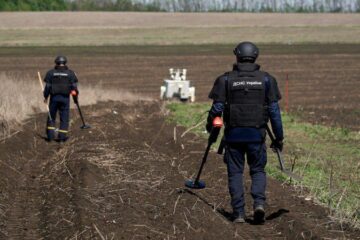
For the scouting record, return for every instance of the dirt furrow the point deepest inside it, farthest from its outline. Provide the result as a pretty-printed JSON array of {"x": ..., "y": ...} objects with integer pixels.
[{"x": 123, "y": 179}]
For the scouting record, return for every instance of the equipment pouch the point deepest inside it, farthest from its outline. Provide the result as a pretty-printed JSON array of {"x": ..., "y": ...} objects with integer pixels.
[{"x": 246, "y": 115}]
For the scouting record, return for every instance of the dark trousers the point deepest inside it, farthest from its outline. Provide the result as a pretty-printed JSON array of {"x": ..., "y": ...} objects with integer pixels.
[
  {"x": 59, "y": 103},
  {"x": 235, "y": 158}
]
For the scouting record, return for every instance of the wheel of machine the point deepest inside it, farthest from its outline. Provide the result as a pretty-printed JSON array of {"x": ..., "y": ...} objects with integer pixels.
[
  {"x": 192, "y": 94},
  {"x": 162, "y": 92}
]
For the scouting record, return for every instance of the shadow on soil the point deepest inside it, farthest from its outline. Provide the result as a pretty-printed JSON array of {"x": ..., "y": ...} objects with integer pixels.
[{"x": 228, "y": 215}]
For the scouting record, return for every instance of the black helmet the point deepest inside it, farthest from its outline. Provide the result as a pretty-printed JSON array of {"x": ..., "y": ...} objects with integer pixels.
[
  {"x": 60, "y": 60},
  {"x": 246, "y": 51}
]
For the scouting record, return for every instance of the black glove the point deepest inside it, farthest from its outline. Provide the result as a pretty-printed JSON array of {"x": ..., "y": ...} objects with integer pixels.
[
  {"x": 209, "y": 124},
  {"x": 75, "y": 98},
  {"x": 208, "y": 127},
  {"x": 277, "y": 144}
]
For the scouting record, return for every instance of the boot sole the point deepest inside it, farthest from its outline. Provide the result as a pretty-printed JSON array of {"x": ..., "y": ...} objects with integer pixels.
[{"x": 239, "y": 220}]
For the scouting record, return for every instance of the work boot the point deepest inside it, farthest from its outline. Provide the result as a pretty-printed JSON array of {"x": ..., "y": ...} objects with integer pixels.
[
  {"x": 238, "y": 218},
  {"x": 62, "y": 141},
  {"x": 259, "y": 214}
]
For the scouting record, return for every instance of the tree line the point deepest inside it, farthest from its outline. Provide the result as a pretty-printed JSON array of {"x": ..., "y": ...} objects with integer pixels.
[
  {"x": 77, "y": 5},
  {"x": 183, "y": 5},
  {"x": 257, "y": 5}
]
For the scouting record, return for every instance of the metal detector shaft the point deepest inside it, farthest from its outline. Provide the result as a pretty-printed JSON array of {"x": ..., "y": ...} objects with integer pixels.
[
  {"x": 81, "y": 116},
  {"x": 281, "y": 161},
  {"x": 203, "y": 162},
  {"x": 216, "y": 126},
  {"x": 42, "y": 89},
  {"x": 84, "y": 126},
  {"x": 212, "y": 138},
  {"x": 272, "y": 138}
]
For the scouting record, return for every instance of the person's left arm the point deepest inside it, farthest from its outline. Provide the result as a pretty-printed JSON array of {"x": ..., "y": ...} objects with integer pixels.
[{"x": 274, "y": 112}]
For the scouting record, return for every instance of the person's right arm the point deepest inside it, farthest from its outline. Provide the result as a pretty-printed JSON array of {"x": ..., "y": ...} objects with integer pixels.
[
  {"x": 218, "y": 95},
  {"x": 47, "y": 88}
]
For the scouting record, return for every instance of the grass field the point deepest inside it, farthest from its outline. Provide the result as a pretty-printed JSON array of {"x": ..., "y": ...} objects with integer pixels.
[
  {"x": 101, "y": 29},
  {"x": 15, "y": 109}
]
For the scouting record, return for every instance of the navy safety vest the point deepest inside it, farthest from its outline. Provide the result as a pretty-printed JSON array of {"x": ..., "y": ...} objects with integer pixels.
[
  {"x": 61, "y": 80},
  {"x": 246, "y": 99}
]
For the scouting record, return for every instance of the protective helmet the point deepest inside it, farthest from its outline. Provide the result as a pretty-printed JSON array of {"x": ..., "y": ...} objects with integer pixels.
[
  {"x": 246, "y": 51},
  {"x": 60, "y": 60}
]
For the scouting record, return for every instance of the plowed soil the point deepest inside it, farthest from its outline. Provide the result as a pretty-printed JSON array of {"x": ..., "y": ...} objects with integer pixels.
[
  {"x": 323, "y": 79},
  {"x": 123, "y": 179}
]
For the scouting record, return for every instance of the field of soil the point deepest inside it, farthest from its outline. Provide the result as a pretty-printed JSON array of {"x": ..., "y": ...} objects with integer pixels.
[
  {"x": 26, "y": 20},
  {"x": 123, "y": 179},
  {"x": 323, "y": 79},
  {"x": 119, "y": 28}
]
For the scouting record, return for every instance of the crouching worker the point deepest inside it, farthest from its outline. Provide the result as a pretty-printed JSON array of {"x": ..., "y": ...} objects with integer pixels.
[
  {"x": 247, "y": 98},
  {"x": 60, "y": 83}
]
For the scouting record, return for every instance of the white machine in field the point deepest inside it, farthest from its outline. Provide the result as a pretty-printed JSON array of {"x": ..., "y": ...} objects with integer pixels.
[{"x": 177, "y": 86}]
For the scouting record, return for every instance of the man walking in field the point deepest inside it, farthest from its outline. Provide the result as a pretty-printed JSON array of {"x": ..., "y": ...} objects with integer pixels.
[
  {"x": 247, "y": 98},
  {"x": 60, "y": 83}
]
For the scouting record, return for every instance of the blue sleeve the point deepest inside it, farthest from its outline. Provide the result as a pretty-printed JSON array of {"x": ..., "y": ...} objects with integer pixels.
[
  {"x": 272, "y": 91},
  {"x": 216, "y": 109},
  {"x": 47, "y": 88},
  {"x": 73, "y": 82},
  {"x": 275, "y": 119},
  {"x": 218, "y": 91},
  {"x": 73, "y": 86}
]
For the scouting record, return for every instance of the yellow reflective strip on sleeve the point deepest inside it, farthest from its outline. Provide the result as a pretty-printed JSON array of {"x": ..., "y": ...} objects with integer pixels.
[
  {"x": 51, "y": 128},
  {"x": 63, "y": 131}
]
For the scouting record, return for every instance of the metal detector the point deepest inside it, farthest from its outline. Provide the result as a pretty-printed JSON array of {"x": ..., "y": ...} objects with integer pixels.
[
  {"x": 84, "y": 126},
  {"x": 42, "y": 89},
  {"x": 281, "y": 161},
  {"x": 197, "y": 183}
]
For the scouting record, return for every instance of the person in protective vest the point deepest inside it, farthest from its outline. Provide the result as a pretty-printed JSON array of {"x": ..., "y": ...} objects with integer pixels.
[
  {"x": 247, "y": 98},
  {"x": 60, "y": 83}
]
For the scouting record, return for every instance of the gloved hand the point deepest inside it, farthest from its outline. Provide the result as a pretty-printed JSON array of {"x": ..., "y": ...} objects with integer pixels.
[
  {"x": 277, "y": 144},
  {"x": 75, "y": 98},
  {"x": 74, "y": 93}
]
